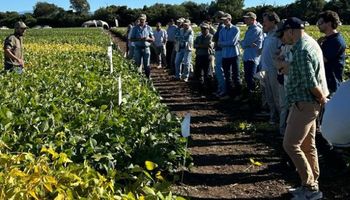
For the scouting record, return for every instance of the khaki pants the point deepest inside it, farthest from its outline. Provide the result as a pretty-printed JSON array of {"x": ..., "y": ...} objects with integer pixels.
[{"x": 299, "y": 141}]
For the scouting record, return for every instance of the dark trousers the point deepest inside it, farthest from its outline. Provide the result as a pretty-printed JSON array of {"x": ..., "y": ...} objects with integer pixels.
[
  {"x": 249, "y": 71},
  {"x": 202, "y": 64},
  {"x": 231, "y": 72},
  {"x": 169, "y": 51}
]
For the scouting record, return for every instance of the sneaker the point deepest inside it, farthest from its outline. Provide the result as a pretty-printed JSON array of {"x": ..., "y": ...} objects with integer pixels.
[
  {"x": 186, "y": 80},
  {"x": 295, "y": 190},
  {"x": 159, "y": 66},
  {"x": 303, "y": 193}
]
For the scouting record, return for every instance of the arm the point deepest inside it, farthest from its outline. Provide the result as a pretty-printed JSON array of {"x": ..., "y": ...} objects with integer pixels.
[
  {"x": 9, "y": 54},
  {"x": 251, "y": 39},
  {"x": 320, "y": 97},
  {"x": 231, "y": 42}
]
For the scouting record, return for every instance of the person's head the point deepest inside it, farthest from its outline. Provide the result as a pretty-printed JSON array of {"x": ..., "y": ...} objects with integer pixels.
[
  {"x": 218, "y": 15},
  {"x": 249, "y": 18},
  {"x": 186, "y": 24},
  {"x": 142, "y": 19},
  {"x": 158, "y": 26},
  {"x": 180, "y": 21},
  {"x": 270, "y": 21},
  {"x": 205, "y": 28},
  {"x": 291, "y": 30},
  {"x": 20, "y": 28},
  {"x": 328, "y": 21},
  {"x": 226, "y": 19},
  {"x": 171, "y": 22}
]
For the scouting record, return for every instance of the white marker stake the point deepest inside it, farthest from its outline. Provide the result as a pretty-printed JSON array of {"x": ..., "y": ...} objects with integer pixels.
[
  {"x": 110, "y": 55},
  {"x": 119, "y": 90},
  {"x": 185, "y": 131}
]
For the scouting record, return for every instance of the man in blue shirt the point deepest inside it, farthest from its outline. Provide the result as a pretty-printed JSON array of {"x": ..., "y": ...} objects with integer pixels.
[
  {"x": 171, "y": 42},
  {"x": 160, "y": 39},
  {"x": 251, "y": 44},
  {"x": 333, "y": 47},
  {"x": 228, "y": 41},
  {"x": 142, "y": 36}
]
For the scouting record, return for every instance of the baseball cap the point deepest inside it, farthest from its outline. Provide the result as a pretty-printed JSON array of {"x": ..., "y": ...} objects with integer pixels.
[
  {"x": 20, "y": 24},
  {"x": 219, "y": 14},
  {"x": 250, "y": 15},
  {"x": 204, "y": 25},
  {"x": 143, "y": 16},
  {"x": 290, "y": 23},
  {"x": 226, "y": 16}
]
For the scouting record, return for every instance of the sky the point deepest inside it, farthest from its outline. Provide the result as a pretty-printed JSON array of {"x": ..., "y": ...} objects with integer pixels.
[{"x": 27, "y": 5}]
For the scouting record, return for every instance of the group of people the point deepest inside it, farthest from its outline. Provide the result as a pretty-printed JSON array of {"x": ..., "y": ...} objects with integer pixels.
[{"x": 297, "y": 74}]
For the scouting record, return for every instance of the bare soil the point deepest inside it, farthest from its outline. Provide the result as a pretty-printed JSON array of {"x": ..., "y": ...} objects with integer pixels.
[{"x": 221, "y": 153}]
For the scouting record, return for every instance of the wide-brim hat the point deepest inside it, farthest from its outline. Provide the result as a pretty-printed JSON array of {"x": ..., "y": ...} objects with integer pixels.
[{"x": 250, "y": 15}]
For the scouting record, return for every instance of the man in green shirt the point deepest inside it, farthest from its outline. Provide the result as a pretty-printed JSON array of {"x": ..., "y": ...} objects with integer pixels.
[
  {"x": 306, "y": 92},
  {"x": 13, "y": 48}
]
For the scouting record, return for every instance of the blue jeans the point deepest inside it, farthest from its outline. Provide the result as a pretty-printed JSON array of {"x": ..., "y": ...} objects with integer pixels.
[
  {"x": 249, "y": 71},
  {"x": 182, "y": 57},
  {"x": 231, "y": 70},
  {"x": 219, "y": 73},
  {"x": 144, "y": 54}
]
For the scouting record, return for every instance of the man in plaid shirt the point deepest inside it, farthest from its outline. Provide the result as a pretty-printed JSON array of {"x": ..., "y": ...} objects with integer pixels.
[{"x": 306, "y": 91}]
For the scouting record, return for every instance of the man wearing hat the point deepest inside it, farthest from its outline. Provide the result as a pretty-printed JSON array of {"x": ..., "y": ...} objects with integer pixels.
[
  {"x": 142, "y": 36},
  {"x": 229, "y": 42},
  {"x": 219, "y": 73},
  {"x": 306, "y": 92},
  {"x": 170, "y": 45},
  {"x": 184, "y": 46},
  {"x": 251, "y": 45},
  {"x": 13, "y": 48},
  {"x": 204, "y": 49}
]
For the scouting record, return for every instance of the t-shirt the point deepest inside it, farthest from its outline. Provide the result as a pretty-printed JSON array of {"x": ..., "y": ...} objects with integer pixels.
[{"x": 15, "y": 44}]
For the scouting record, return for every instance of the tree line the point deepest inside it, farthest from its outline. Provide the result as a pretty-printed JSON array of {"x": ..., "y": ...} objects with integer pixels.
[{"x": 50, "y": 14}]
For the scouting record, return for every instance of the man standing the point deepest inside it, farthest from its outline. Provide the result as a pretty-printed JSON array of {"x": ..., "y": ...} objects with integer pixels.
[
  {"x": 13, "y": 48},
  {"x": 251, "y": 44},
  {"x": 270, "y": 49},
  {"x": 219, "y": 74},
  {"x": 170, "y": 45},
  {"x": 333, "y": 47},
  {"x": 306, "y": 91},
  {"x": 142, "y": 36},
  {"x": 160, "y": 39},
  {"x": 204, "y": 49},
  {"x": 184, "y": 46},
  {"x": 228, "y": 41}
]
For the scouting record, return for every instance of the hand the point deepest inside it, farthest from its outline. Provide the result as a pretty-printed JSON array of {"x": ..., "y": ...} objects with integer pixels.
[
  {"x": 20, "y": 62},
  {"x": 323, "y": 100}
]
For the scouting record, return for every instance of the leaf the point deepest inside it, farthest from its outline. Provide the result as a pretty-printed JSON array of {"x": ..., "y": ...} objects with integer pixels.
[
  {"x": 159, "y": 176},
  {"x": 255, "y": 162},
  {"x": 60, "y": 196},
  {"x": 148, "y": 190},
  {"x": 32, "y": 193},
  {"x": 17, "y": 172},
  {"x": 48, "y": 187},
  {"x": 150, "y": 165}
]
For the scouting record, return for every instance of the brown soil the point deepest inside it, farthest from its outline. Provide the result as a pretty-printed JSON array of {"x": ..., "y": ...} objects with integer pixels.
[{"x": 221, "y": 154}]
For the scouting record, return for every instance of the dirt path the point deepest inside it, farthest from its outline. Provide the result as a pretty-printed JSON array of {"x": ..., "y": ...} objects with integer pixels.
[{"x": 221, "y": 152}]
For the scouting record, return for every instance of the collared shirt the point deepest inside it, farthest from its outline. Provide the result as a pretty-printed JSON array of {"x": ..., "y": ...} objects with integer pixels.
[
  {"x": 306, "y": 71},
  {"x": 204, "y": 40},
  {"x": 333, "y": 48},
  {"x": 216, "y": 37},
  {"x": 141, "y": 32},
  {"x": 171, "y": 32},
  {"x": 15, "y": 44},
  {"x": 160, "y": 37},
  {"x": 270, "y": 48},
  {"x": 184, "y": 40},
  {"x": 254, "y": 35},
  {"x": 228, "y": 41}
]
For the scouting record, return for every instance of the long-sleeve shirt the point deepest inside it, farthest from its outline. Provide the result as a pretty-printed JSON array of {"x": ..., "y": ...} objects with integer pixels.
[
  {"x": 254, "y": 35},
  {"x": 171, "y": 32},
  {"x": 216, "y": 37},
  {"x": 204, "y": 45},
  {"x": 306, "y": 71},
  {"x": 228, "y": 41},
  {"x": 184, "y": 39},
  {"x": 270, "y": 48},
  {"x": 139, "y": 32},
  {"x": 160, "y": 37}
]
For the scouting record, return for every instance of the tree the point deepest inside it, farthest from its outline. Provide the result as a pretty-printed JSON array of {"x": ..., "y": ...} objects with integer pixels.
[
  {"x": 43, "y": 9},
  {"x": 81, "y": 6},
  {"x": 235, "y": 8},
  {"x": 342, "y": 7}
]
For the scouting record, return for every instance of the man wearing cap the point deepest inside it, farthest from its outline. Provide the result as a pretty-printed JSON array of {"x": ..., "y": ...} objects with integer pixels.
[
  {"x": 204, "y": 49},
  {"x": 160, "y": 39},
  {"x": 251, "y": 45},
  {"x": 170, "y": 45},
  {"x": 184, "y": 48},
  {"x": 179, "y": 24},
  {"x": 229, "y": 41},
  {"x": 13, "y": 48},
  {"x": 142, "y": 36},
  {"x": 219, "y": 74},
  {"x": 306, "y": 92}
]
